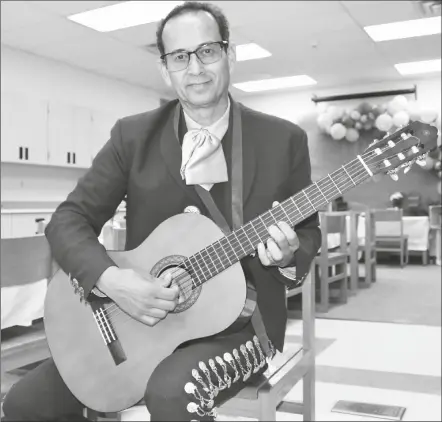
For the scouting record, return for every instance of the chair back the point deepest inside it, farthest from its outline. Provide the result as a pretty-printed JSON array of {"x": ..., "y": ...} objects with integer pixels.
[
  {"x": 435, "y": 215},
  {"x": 25, "y": 260},
  {"x": 388, "y": 222},
  {"x": 334, "y": 223}
]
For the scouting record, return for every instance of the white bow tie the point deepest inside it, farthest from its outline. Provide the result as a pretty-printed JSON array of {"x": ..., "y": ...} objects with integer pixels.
[{"x": 203, "y": 162}]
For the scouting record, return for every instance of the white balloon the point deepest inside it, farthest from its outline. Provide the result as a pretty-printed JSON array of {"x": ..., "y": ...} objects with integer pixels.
[
  {"x": 401, "y": 101},
  {"x": 384, "y": 122},
  {"x": 338, "y": 131},
  {"x": 414, "y": 111},
  {"x": 428, "y": 116},
  {"x": 401, "y": 118},
  {"x": 355, "y": 115},
  {"x": 324, "y": 121},
  {"x": 393, "y": 107},
  {"x": 321, "y": 107},
  {"x": 352, "y": 135}
]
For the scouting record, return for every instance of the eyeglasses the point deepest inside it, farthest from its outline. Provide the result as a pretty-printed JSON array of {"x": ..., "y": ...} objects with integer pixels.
[{"x": 207, "y": 54}]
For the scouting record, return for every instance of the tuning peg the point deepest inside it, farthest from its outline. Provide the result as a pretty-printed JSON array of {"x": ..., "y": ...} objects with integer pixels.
[
  {"x": 407, "y": 166},
  {"x": 393, "y": 174}
]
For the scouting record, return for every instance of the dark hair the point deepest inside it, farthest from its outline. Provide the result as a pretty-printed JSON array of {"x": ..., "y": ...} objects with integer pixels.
[{"x": 193, "y": 6}]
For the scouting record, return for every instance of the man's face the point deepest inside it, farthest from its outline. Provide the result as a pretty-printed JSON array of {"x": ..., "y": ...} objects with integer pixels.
[{"x": 200, "y": 85}]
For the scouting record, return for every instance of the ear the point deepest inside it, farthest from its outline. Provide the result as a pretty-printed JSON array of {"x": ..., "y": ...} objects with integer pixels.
[
  {"x": 231, "y": 57},
  {"x": 164, "y": 72}
]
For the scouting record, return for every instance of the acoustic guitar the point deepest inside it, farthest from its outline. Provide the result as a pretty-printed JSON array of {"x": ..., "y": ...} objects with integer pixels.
[{"x": 106, "y": 358}]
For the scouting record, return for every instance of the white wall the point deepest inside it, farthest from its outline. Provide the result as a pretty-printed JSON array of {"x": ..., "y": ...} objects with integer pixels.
[
  {"x": 294, "y": 105},
  {"x": 52, "y": 80}
]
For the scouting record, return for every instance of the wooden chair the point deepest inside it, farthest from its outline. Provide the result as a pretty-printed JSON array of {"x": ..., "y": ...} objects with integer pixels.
[
  {"x": 266, "y": 396},
  {"x": 333, "y": 264},
  {"x": 435, "y": 216},
  {"x": 368, "y": 247},
  {"x": 390, "y": 235},
  {"x": 24, "y": 261}
]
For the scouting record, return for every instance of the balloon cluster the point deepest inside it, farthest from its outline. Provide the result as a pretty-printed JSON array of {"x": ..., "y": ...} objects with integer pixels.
[{"x": 341, "y": 123}]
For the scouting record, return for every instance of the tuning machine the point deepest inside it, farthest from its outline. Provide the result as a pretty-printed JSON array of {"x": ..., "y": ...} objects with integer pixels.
[
  {"x": 407, "y": 166},
  {"x": 421, "y": 160},
  {"x": 393, "y": 174}
]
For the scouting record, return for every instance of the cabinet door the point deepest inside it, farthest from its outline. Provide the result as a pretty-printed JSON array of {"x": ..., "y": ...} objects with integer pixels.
[
  {"x": 23, "y": 128},
  {"x": 23, "y": 225},
  {"x": 6, "y": 226},
  {"x": 82, "y": 137},
  {"x": 102, "y": 124},
  {"x": 60, "y": 134}
]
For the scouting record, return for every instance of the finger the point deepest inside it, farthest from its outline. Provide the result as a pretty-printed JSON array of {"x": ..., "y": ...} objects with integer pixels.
[
  {"x": 165, "y": 305},
  {"x": 275, "y": 204},
  {"x": 274, "y": 250},
  {"x": 156, "y": 313},
  {"x": 262, "y": 254},
  {"x": 148, "y": 320},
  {"x": 289, "y": 233},
  {"x": 279, "y": 237},
  {"x": 167, "y": 279},
  {"x": 168, "y": 293}
]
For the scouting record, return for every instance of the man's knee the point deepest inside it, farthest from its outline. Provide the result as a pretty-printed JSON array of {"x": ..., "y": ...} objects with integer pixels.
[{"x": 14, "y": 407}]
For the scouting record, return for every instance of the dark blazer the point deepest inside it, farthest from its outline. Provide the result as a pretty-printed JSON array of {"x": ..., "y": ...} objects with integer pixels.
[{"x": 142, "y": 159}]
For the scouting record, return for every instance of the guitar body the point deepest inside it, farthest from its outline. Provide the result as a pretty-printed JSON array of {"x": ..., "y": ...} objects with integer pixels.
[{"x": 113, "y": 377}]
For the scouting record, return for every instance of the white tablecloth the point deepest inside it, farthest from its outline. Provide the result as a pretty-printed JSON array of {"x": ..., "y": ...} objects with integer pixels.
[
  {"x": 334, "y": 239},
  {"x": 22, "y": 304},
  {"x": 417, "y": 229}
]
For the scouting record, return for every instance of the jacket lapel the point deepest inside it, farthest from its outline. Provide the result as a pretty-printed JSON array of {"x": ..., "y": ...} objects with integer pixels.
[
  {"x": 171, "y": 152},
  {"x": 248, "y": 157}
]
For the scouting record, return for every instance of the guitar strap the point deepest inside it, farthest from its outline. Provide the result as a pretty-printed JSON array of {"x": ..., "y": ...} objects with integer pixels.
[{"x": 237, "y": 207}]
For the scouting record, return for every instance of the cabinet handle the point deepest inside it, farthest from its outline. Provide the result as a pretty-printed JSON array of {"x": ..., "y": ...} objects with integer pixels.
[
  {"x": 73, "y": 157},
  {"x": 26, "y": 153},
  {"x": 69, "y": 157},
  {"x": 20, "y": 153}
]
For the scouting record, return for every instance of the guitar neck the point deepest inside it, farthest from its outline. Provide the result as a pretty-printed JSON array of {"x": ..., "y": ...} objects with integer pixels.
[{"x": 230, "y": 249}]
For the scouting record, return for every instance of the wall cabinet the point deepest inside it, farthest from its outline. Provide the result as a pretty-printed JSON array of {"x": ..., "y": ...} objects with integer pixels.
[
  {"x": 35, "y": 131},
  {"x": 23, "y": 129},
  {"x": 22, "y": 224}
]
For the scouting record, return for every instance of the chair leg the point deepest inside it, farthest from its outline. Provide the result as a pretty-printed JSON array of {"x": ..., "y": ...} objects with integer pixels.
[
  {"x": 425, "y": 257},
  {"x": 324, "y": 299},
  {"x": 344, "y": 284},
  {"x": 308, "y": 395},
  {"x": 267, "y": 406}
]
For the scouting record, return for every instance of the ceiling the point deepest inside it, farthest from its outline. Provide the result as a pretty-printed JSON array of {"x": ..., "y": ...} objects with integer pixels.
[{"x": 323, "y": 39}]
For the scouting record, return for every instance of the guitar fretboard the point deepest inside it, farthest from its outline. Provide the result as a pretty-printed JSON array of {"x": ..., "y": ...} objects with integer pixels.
[{"x": 241, "y": 242}]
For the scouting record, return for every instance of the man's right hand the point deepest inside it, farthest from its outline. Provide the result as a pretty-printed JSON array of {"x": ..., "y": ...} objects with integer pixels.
[{"x": 147, "y": 300}]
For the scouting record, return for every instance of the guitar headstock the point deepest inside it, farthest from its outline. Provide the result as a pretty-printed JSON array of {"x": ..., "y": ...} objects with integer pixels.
[{"x": 401, "y": 149}]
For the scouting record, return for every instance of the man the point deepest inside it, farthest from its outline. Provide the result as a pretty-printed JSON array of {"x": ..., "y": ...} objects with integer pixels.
[{"x": 158, "y": 159}]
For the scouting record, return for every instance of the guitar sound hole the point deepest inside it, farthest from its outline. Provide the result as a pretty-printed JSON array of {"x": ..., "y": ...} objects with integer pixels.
[{"x": 188, "y": 294}]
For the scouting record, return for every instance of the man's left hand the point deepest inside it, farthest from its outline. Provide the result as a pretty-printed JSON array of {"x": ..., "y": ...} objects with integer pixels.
[{"x": 281, "y": 245}]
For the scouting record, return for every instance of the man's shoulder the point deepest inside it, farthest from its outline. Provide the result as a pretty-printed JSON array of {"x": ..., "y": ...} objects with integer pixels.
[
  {"x": 268, "y": 122},
  {"x": 150, "y": 117}
]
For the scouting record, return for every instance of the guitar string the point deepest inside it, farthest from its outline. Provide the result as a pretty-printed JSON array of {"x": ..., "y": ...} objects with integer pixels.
[
  {"x": 321, "y": 193},
  {"x": 357, "y": 176},
  {"x": 115, "y": 311},
  {"x": 188, "y": 286}
]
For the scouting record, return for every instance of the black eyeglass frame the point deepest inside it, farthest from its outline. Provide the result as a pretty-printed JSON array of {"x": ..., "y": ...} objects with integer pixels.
[{"x": 223, "y": 44}]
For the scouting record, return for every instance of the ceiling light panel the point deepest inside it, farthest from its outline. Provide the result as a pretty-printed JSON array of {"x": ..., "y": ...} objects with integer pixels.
[
  {"x": 404, "y": 29},
  {"x": 124, "y": 15},
  {"x": 413, "y": 68},
  {"x": 275, "y": 83},
  {"x": 250, "y": 52}
]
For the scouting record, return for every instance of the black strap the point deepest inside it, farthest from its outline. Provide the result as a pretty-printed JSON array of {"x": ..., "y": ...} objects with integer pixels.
[{"x": 237, "y": 206}]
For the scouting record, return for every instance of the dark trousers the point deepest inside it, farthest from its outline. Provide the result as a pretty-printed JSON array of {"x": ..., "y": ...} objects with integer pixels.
[{"x": 189, "y": 384}]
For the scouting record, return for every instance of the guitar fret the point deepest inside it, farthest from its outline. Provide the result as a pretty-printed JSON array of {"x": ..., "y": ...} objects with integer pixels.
[
  {"x": 259, "y": 237},
  {"x": 247, "y": 237},
  {"x": 233, "y": 249},
  {"x": 288, "y": 218},
  {"x": 308, "y": 199},
  {"x": 202, "y": 262},
  {"x": 349, "y": 175},
  {"x": 326, "y": 200},
  {"x": 300, "y": 212},
  {"x": 234, "y": 234},
  {"x": 198, "y": 266},
  {"x": 335, "y": 184},
  {"x": 195, "y": 271},
  {"x": 219, "y": 259},
  {"x": 225, "y": 253},
  {"x": 210, "y": 256}
]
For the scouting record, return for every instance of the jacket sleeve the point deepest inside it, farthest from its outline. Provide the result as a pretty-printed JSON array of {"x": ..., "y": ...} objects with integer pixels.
[
  {"x": 308, "y": 231},
  {"x": 76, "y": 224}
]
